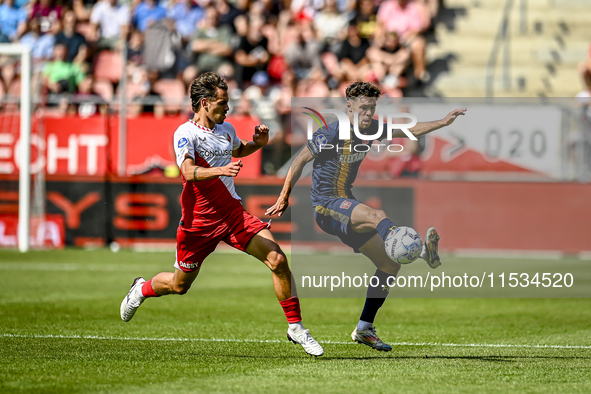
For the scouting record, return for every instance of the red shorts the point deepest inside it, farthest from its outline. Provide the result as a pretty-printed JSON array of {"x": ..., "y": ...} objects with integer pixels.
[{"x": 195, "y": 244}]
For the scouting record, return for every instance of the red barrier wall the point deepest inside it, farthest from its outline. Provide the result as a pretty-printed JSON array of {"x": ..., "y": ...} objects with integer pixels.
[
  {"x": 521, "y": 216},
  {"x": 89, "y": 147}
]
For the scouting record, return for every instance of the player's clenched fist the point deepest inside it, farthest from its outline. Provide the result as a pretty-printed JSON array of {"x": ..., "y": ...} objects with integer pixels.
[
  {"x": 232, "y": 169},
  {"x": 261, "y": 135}
]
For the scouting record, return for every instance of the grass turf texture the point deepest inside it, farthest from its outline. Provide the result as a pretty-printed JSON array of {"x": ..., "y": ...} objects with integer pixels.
[{"x": 75, "y": 292}]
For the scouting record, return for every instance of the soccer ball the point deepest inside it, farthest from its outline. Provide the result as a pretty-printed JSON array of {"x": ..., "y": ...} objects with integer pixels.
[{"x": 403, "y": 245}]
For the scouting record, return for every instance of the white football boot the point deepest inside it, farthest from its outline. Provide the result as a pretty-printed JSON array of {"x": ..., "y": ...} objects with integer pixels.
[
  {"x": 132, "y": 300},
  {"x": 370, "y": 338},
  {"x": 430, "y": 248},
  {"x": 304, "y": 338}
]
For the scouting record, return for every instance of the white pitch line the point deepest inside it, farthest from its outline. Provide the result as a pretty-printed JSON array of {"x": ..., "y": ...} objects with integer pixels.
[{"x": 432, "y": 344}]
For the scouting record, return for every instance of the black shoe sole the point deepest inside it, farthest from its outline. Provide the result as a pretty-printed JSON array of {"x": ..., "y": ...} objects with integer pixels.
[
  {"x": 295, "y": 343},
  {"x": 375, "y": 348}
]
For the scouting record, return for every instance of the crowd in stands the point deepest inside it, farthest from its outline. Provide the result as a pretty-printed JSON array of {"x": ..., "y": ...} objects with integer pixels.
[{"x": 268, "y": 51}]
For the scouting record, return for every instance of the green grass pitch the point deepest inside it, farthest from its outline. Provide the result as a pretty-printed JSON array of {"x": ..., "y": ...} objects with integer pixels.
[{"x": 60, "y": 332}]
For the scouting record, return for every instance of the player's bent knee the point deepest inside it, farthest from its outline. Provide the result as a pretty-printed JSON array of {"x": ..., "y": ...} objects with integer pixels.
[
  {"x": 277, "y": 262},
  {"x": 376, "y": 216}
]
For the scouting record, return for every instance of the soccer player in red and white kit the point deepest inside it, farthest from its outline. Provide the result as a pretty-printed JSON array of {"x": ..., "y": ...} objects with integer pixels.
[{"x": 213, "y": 212}]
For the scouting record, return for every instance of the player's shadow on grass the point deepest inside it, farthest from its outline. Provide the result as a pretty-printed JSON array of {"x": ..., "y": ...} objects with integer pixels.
[
  {"x": 386, "y": 357},
  {"x": 506, "y": 359}
]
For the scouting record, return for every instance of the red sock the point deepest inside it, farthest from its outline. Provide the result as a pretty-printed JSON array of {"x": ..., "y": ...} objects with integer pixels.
[
  {"x": 147, "y": 290},
  {"x": 291, "y": 308}
]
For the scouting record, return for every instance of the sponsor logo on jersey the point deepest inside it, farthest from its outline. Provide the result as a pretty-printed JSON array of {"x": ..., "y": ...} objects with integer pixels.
[
  {"x": 188, "y": 265},
  {"x": 321, "y": 140},
  {"x": 346, "y": 204},
  {"x": 182, "y": 142},
  {"x": 206, "y": 154},
  {"x": 202, "y": 139},
  {"x": 228, "y": 137},
  {"x": 352, "y": 158}
]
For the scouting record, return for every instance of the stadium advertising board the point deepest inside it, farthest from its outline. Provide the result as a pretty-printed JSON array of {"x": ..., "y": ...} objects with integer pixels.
[
  {"x": 88, "y": 146},
  {"x": 47, "y": 233}
]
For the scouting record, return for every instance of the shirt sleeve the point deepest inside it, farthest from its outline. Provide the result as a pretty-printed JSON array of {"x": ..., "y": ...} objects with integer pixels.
[
  {"x": 124, "y": 15},
  {"x": 95, "y": 15},
  {"x": 22, "y": 15},
  {"x": 383, "y": 11},
  {"x": 235, "y": 140},
  {"x": 184, "y": 146},
  {"x": 319, "y": 139}
]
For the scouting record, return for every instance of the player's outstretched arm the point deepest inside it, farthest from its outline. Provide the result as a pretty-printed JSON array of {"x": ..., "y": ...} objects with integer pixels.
[
  {"x": 423, "y": 128},
  {"x": 259, "y": 139},
  {"x": 193, "y": 173},
  {"x": 294, "y": 173}
]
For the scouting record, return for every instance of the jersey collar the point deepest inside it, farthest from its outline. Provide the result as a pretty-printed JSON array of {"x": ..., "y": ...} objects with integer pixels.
[{"x": 202, "y": 127}]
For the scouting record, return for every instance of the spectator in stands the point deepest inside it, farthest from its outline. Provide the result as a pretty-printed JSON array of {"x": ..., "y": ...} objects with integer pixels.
[
  {"x": 226, "y": 70},
  {"x": 82, "y": 13},
  {"x": 146, "y": 13},
  {"x": 227, "y": 13},
  {"x": 112, "y": 21},
  {"x": 186, "y": 15},
  {"x": 271, "y": 10},
  {"x": 86, "y": 102},
  {"x": 135, "y": 57},
  {"x": 366, "y": 18},
  {"x": 313, "y": 86},
  {"x": 252, "y": 54},
  {"x": 262, "y": 99},
  {"x": 60, "y": 76},
  {"x": 330, "y": 25},
  {"x": 389, "y": 61},
  {"x": 304, "y": 10},
  {"x": 41, "y": 45},
  {"x": 408, "y": 19},
  {"x": 256, "y": 9},
  {"x": 585, "y": 70},
  {"x": 352, "y": 57},
  {"x": 303, "y": 54},
  {"x": 432, "y": 7},
  {"x": 161, "y": 48},
  {"x": 211, "y": 46},
  {"x": 47, "y": 12},
  {"x": 74, "y": 42},
  {"x": 13, "y": 20},
  {"x": 283, "y": 105},
  {"x": 149, "y": 101}
]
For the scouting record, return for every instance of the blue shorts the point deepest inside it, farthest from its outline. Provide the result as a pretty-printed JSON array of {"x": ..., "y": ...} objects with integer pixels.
[{"x": 334, "y": 218}]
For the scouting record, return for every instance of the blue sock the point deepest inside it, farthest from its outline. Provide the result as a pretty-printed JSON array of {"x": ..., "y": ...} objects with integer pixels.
[
  {"x": 376, "y": 296},
  {"x": 384, "y": 228}
]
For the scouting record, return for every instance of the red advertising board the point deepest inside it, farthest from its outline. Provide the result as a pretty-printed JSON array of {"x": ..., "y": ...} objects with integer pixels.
[
  {"x": 48, "y": 233},
  {"x": 89, "y": 146}
]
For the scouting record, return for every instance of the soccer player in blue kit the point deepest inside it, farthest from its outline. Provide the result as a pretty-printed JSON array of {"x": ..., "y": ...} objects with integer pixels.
[{"x": 336, "y": 210}]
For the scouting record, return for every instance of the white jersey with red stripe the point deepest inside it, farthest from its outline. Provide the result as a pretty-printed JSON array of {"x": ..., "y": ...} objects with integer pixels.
[{"x": 206, "y": 202}]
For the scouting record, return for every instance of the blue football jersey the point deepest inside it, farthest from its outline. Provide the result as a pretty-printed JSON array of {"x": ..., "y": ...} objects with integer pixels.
[{"x": 336, "y": 167}]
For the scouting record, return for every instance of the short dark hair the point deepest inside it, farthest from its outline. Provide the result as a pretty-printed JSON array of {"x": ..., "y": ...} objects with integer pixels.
[
  {"x": 206, "y": 86},
  {"x": 363, "y": 89}
]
